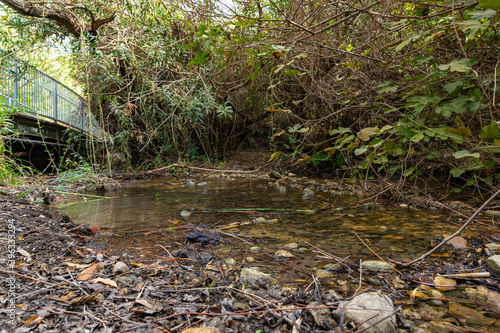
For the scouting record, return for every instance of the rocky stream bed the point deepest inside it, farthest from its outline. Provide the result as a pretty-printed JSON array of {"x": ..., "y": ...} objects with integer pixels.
[{"x": 55, "y": 279}]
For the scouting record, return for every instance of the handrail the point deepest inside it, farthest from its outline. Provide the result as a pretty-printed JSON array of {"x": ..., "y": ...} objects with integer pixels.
[{"x": 37, "y": 94}]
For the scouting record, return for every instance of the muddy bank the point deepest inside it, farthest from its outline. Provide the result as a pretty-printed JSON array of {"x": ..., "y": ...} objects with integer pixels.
[{"x": 56, "y": 279}]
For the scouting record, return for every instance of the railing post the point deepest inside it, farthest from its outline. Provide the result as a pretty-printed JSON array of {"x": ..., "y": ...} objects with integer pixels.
[
  {"x": 54, "y": 91},
  {"x": 15, "y": 87}
]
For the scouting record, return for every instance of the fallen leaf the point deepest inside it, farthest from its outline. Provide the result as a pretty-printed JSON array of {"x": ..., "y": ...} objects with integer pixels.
[
  {"x": 33, "y": 321},
  {"x": 144, "y": 303},
  {"x": 24, "y": 253},
  {"x": 108, "y": 282},
  {"x": 90, "y": 272},
  {"x": 85, "y": 299},
  {"x": 67, "y": 297},
  {"x": 444, "y": 284},
  {"x": 457, "y": 242},
  {"x": 79, "y": 266},
  {"x": 416, "y": 293}
]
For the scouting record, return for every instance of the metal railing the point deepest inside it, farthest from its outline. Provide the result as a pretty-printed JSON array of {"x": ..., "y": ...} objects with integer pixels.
[{"x": 36, "y": 94}]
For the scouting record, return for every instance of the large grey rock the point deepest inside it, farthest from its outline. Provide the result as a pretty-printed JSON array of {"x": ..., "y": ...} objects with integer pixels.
[
  {"x": 256, "y": 278},
  {"x": 374, "y": 310},
  {"x": 493, "y": 263}
]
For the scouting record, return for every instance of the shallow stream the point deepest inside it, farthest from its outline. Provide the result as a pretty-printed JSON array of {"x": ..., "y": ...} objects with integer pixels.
[{"x": 146, "y": 218}]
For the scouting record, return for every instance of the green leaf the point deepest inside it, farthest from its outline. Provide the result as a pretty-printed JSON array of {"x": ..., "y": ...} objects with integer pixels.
[
  {"x": 450, "y": 87},
  {"x": 482, "y": 14},
  {"x": 360, "y": 150},
  {"x": 465, "y": 153},
  {"x": 388, "y": 89},
  {"x": 490, "y": 131},
  {"x": 461, "y": 66},
  {"x": 386, "y": 128},
  {"x": 457, "y": 172},
  {"x": 434, "y": 154},
  {"x": 492, "y": 4},
  {"x": 417, "y": 137},
  {"x": 292, "y": 72},
  {"x": 408, "y": 171},
  {"x": 340, "y": 130},
  {"x": 366, "y": 132}
]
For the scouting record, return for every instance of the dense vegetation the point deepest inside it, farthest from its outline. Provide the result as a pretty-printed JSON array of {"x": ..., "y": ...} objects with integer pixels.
[{"x": 367, "y": 89}]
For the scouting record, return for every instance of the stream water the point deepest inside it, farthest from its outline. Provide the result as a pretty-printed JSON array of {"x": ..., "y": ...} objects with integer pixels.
[{"x": 145, "y": 206}]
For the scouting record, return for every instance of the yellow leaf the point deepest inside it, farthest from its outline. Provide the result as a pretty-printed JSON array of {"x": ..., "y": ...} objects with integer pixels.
[
  {"x": 416, "y": 293},
  {"x": 33, "y": 321},
  {"x": 444, "y": 284},
  {"x": 330, "y": 150},
  {"x": 243, "y": 286},
  {"x": 79, "y": 266},
  {"x": 303, "y": 159},
  {"x": 275, "y": 155},
  {"x": 108, "y": 282}
]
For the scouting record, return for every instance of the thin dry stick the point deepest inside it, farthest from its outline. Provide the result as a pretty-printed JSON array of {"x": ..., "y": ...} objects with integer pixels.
[{"x": 458, "y": 232}]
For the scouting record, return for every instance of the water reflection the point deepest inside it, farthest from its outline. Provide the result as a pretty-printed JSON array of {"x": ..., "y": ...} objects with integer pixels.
[{"x": 390, "y": 231}]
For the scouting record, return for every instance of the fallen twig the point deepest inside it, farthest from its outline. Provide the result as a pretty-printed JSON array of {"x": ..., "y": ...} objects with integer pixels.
[{"x": 458, "y": 232}]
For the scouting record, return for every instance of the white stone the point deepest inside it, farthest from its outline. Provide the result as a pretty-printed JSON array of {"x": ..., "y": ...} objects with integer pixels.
[
  {"x": 369, "y": 308},
  {"x": 377, "y": 265},
  {"x": 120, "y": 268}
]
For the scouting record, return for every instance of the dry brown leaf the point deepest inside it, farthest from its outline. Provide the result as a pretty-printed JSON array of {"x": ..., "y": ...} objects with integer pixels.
[
  {"x": 85, "y": 299},
  {"x": 67, "y": 297},
  {"x": 108, "y": 282},
  {"x": 90, "y": 272},
  {"x": 457, "y": 242},
  {"x": 79, "y": 266},
  {"x": 144, "y": 303}
]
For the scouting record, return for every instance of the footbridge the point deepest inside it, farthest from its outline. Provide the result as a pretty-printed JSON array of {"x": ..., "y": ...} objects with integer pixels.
[{"x": 44, "y": 111}]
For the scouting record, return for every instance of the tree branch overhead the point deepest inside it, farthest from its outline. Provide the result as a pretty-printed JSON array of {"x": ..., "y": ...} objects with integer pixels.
[{"x": 58, "y": 12}]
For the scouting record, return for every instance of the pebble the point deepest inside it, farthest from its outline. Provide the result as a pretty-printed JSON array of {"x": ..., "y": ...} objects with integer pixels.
[
  {"x": 302, "y": 250},
  {"x": 284, "y": 254},
  {"x": 291, "y": 246},
  {"x": 230, "y": 261},
  {"x": 253, "y": 277},
  {"x": 185, "y": 213},
  {"x": 120, "y": 268},
  {"x": 250, "y": 259},
  {"x": 377, "y": 265},
  {"x": 493, "y": 263},
  {"x": 307, "y": 192},
  {"x": 99, "y": 257},
  {"x": 255, "y": 249}
]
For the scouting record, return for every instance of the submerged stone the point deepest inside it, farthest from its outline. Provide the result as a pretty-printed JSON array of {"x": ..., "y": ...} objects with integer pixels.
[
  {"x": 377, "y": 265},
  {"x": 284, "y": 254},
  {"x": 291, "y": 246}
]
